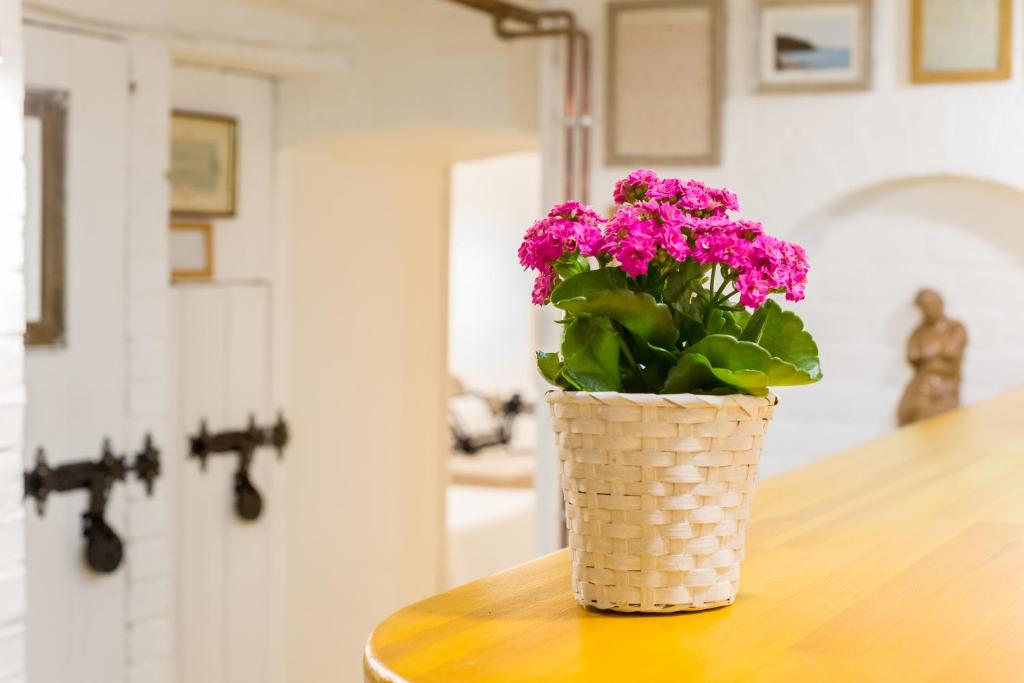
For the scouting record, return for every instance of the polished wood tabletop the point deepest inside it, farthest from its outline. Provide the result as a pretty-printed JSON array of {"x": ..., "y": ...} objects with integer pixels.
[{"x": 900, "y": 560}]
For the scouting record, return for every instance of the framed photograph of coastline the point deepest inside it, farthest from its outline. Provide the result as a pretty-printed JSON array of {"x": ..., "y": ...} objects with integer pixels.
[
  {"x": 668, "y": 113},
  {"x": 814, "y": 45},
  {"x": 960, "y": 40},
  {"x": 203, "y": 174}
]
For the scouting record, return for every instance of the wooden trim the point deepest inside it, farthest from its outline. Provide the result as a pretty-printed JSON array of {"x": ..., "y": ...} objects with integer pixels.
[
  {"x": 1001, "y": 72},
  {"x": 50, "y": 106},
  {"x": 206, "y": 272},
  {"x": 863, "y": 81},
  {"x": 232, "y": 122},
  {"x": 713, "y": 157}
]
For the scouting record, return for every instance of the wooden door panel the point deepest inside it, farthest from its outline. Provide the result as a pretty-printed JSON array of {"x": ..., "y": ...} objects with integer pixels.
[
  {"x": 75, "y": 628},
  {"x": 227, "y": 577}
]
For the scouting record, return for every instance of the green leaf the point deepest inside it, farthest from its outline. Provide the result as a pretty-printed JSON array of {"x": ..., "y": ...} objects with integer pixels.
[
  {"x": 571, "y": 265},
  {"x": 782, "y": 334},
  {"x": 655, "y": 364},
  {"x": 692, "y": 374},
  {"x": 681, "y": 281},
  {"x": 553, "y": 371},
  {"x": 550, "y": 366},
  {"x": 638, "y": 312},
  {"x": 590, "y": 347},
  {"x": 723, "y": 322},
  {"x": 589, "y": 282},
  {"x": 747, "y": 366}
]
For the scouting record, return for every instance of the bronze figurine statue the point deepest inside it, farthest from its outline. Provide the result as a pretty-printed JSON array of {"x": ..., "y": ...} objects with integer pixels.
[{"x": 936, "y": 352}]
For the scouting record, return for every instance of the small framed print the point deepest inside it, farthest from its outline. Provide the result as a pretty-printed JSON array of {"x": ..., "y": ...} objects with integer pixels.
[
  {"x": 814, "y": 45},
  {"x": 204, "y": 173},
  {"x": 191, "y": 251},
  {"x": 960, "y": 40},
  {"x": 663, "y": 82}
]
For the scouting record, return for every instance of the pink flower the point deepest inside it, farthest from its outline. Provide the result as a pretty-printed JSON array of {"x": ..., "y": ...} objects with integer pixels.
[
  {"x": 661, "y": 221},
  {"x": 569, "y": 228},
  {"x": 542, "y": 287},
  {"x": 635, "y": 253},
  {"x": 674, "y": 242},
  {"x": 753, "y": 291},
  {"x": 670, "y": 189},
  {"x": 635, "y": 186},
  {"x": 540, "y": 246},
  {"x": 698, "y": 197},
  {"x": 630, "y": 238}
]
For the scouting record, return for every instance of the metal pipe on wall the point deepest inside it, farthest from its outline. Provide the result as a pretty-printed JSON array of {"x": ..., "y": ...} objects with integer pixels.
[{"x": 576, "y": 101}]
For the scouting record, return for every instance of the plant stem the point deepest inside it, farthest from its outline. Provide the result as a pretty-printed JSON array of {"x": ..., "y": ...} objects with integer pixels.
[
  {"x": 716, "y": 299},
  {"x": 626, "y": 352}
]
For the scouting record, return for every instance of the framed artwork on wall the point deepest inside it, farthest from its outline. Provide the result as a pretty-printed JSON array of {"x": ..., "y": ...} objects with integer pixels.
[
  {"x": 960, "y": 40},
  {"x": 814, "y": 45},
  {"x": 191, "y": 250},
  {"x": 204, "y": 169},
  {"x": 663, "y": 82},
  {"x": 45, "y": 134}
]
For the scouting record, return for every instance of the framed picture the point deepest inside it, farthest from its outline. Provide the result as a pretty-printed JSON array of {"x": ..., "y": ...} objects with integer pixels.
[
  {"x": 663, "y": 82},
  {"x": 960, "y": 40},
  {"x": 45, "y": 130},
  {"x": 191, "y": 251},
  {"x": 204, "y": 173},
  {"x": 814, "y": 45}
]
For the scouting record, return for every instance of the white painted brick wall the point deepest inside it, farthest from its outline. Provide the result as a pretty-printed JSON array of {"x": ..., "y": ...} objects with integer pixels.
[
  {"x": 148, "y": 559},
  {"x": 12, "y": 389},
  {"x": 800, "y": 162}
]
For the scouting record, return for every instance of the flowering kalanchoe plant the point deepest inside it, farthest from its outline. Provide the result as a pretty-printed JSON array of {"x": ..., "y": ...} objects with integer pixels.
[{"x": 669, "y": 295}]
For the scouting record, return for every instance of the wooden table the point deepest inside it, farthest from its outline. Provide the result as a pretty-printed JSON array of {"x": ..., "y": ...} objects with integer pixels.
[{"x": 901, "y": 560}]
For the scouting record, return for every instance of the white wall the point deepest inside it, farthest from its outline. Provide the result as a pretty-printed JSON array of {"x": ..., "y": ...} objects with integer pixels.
[
  {"x": 368, "y": 265},
  {"x": 12, "y": 325},
  {"x": 491, "y": 333},
  {"x": 794, "y": 158},
  {"x": 149, "y": 592},
  {"x": 413, "y": 64}
]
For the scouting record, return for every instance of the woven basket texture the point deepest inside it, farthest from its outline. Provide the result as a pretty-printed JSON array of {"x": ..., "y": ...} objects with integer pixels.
[{"x": 657, "y": 495}]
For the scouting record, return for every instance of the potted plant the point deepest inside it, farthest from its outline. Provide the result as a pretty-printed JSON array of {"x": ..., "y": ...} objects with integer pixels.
[{"x": 670, "y": 345}]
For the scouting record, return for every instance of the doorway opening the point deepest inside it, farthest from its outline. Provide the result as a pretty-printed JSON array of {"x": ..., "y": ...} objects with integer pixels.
[{"x": 491, "y": 502}]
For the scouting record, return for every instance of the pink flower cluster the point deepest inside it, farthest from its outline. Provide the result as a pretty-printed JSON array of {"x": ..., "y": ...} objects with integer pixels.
[
  {"x": 568, "y": 229},
  {"x": 658, "y": 219}
]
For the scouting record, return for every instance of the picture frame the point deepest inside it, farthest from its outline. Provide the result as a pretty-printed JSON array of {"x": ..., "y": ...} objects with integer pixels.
[
  {"x": 191, "y": 251},
  {"x": 814, "y": 45},
  {"x": 45, "y": 116},
  {"x": 684, "y": 37},
  {"x": 204, "y": 164},
  {"x": 956, "y": 41}
]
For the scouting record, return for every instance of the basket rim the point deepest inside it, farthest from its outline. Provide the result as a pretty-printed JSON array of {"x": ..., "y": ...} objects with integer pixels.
[{"x": 746, "y": 401}]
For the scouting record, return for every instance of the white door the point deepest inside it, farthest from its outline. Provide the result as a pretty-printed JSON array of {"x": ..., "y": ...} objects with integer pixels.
[
  {"x": 76, "y": 392},
  {"x": 230, "y": 572}
]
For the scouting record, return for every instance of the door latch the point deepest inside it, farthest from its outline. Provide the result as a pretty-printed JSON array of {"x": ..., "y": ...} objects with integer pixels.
[
  {"x": 248, "y": 501},
  {"x": 103, "y": 548}
]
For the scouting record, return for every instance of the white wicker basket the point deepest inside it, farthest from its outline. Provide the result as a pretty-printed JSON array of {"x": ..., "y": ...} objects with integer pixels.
[{"x": 657, "y": 495}]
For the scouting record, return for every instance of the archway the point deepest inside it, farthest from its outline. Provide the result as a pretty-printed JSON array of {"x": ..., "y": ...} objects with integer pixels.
[{"x": 870, "y": 251}]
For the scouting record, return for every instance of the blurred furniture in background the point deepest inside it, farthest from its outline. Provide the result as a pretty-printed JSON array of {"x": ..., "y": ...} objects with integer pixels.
[
  {"x": 490, "y": 498},
  {"x": 936, "y": 352}
]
